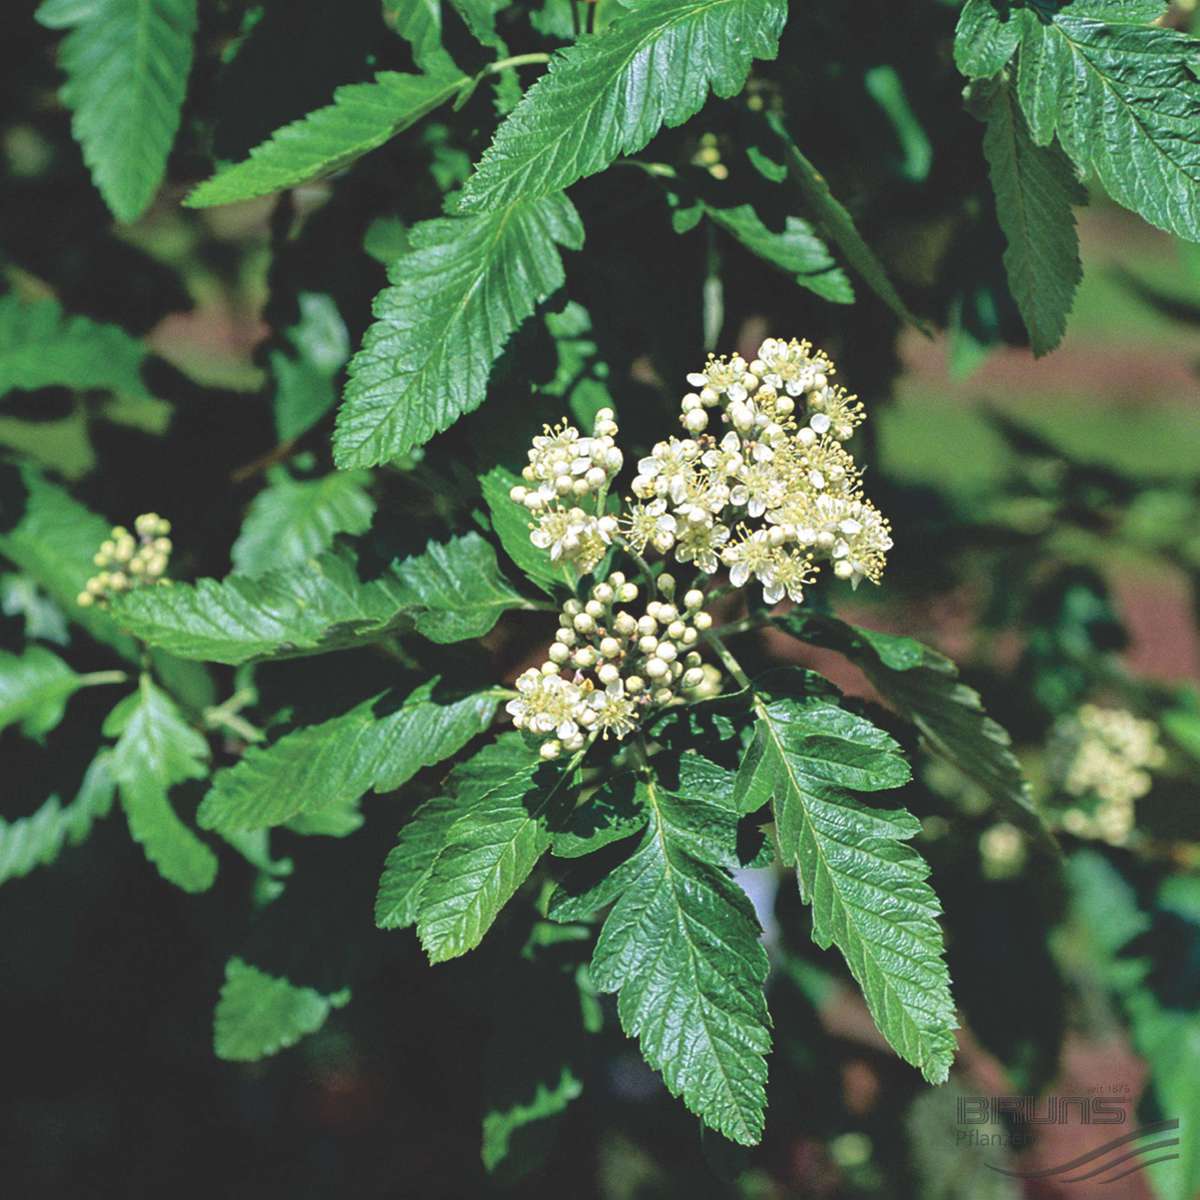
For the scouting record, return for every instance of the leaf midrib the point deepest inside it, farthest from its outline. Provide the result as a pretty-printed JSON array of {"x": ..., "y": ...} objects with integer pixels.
[
  {"x": 921, "y": 1037},
  {"x": 598, "y": 95}
]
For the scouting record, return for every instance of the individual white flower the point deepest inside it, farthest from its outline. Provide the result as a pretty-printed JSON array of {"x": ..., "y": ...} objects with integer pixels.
[
  {"x": 751, "y": 555},
  {"x": 725, "y": 459},
  {"x": 699, "y": 544},
  {"x": 669, "y": 467},
  {"x": 721, "y": 377},
  {"x": 791, "y": 367},
  {"x": 787, "y": 575},
  {"x": 759, "y": 487},
  {"x": 649, "y": 524},
  {"x": 615, "y": 712}
]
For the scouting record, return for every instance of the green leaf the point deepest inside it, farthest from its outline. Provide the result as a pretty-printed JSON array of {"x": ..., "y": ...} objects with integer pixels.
[
  {"x": 362, "y": 117},
  {"x": 451, "y": 592},
  {"x": 52, "y": 538},
  {"x": 1125, "y": 103},
  {"x": 467, "y": 283},
  {"x": 511, "y": 524},
  {"x": 505, "y": 796},
  {"x": 617, "y": 809},
  {"x": 293, "y": 520},
  {"x": 923, "y": 686},
  {"x": 798, "y": 251},
  {"x": 501, "y": 1124},
  {"x": 1035, "y": 187},
  {"x": 455, "y": 590},
  {"x": 866, "y": 888},
  {"x": 609, "y": 94},
  {"x": 34, "y": 689},
  {"x": 38, "y": 839},
  {"x": 987, "y": 36},
  {"x": 305, "y": 379},
  {"x": 40, "y": 347},
  {"x": 44, "y": 621},
  {"x": 839, "y": 224},
  {"x": 127, "y": 64},
  {"x": 259, "y": 1014},
  {"x": 409, "y": 863},
  {"x": 156, "y": 749},
  {"x": 681, "y": 947},
  {"x": 419, "y": 22},
  {"x": 376, "y": 746}
]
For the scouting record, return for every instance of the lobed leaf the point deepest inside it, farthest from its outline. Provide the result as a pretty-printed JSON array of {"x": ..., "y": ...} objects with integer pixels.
[
  {"x": 376, "y": 746},
  {"x": 41, "y": 347},
  {"x": 1035, "y": 187},
  {"x": 866, "y": 888},
  {"x": 127, "y": 65},
  {"x": 156, "y": 749},
  {"x": 454, "y": 299},
  {"x": 38, "y": 839},
  {"x": 362, "y": 117},
  {"x": 609, "y": 94},
  {"x": 1124, "y": 100},
  {"x": 923, "y": 686},
  {"x": 986, "y": 37},
  {"x": 291, "y": 521},
  {"x": 34, "y": 689},
  {"x": 681, "y": 948},
  {"x": 797, "y": 250},
  {"x": 506, "y": 801},
  {"x": 451, "y": 592},
  {"x": 260, "y": 1014}
]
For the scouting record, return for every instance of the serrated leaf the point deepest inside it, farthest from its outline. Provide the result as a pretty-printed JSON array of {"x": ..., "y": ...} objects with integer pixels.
[
  {"x": 38, "y": 839},
  {"x": 506, "y": 798},
  {"x": 609, "y": 94},
  {"x": 362, "y": 117},
  {"x": 127, "y": 64},
  {"x": 260, "y": 1014},
  {"x": 44, "y": 621},
  {"x": 41, "y": 347},
  {"x": 1124, "y": 101},
  {"x": 454, "y": 299},
  {"x": 797, "y": 250},
  {"x": 409, "y": 863},
  {"x": 548, "y": 1098},
  {"x": 156, "y": 749},
  {"x": 1035, "y": 187},
  {"x": 305, "y": 379},
  {"x": 839, "y": 225},
  {"x": 451, "y": 592},
  {"x": 419, "y": 22},
  {"x": 866, "y": 888},
  {"x": 291, "y": 521},
  {"x": 681, "y": 948},
  {"x": 376, "y": 746},
  {"x": 511, "y": 524},
  {"x": 52, "y": 538},
  {"x": 614, "y": 811},
  {"x": 34, "y": 689},
  {"x": 986, "y": 37},
  {"x": 923, "y": 686}
]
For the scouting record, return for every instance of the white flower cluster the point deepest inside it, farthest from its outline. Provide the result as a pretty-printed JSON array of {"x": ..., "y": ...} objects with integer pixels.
[
  {"x": 137, "y": 560},
  {"x": 564, "y": 470},
  {"x": 1105, "y": 754},
  {"x": 608, "y": 668},
  {"x": 777, "y": 492}
]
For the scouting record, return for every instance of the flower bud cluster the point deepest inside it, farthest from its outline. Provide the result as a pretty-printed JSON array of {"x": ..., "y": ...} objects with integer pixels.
[
  {"x": 129, "y": 560},
  {"x": 564, "y": 471},
  {"x": 609, "y": 667},
  {"x": 1104, "y": 754},
  {"x": 777, "y": 493}
]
